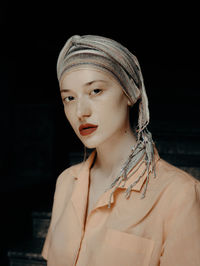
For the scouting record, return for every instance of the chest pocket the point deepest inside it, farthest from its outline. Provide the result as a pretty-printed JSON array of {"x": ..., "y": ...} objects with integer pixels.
[{"x": 125, "y": 249}]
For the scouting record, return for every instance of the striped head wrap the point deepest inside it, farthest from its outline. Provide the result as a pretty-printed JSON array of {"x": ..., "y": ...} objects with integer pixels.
[{"x": 109, "y": 55}]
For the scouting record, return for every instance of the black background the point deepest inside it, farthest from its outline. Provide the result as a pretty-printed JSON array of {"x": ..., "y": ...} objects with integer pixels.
[{"x": 35, "y": 136}]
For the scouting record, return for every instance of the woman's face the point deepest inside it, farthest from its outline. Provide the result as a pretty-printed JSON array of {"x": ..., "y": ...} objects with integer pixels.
[{"x": 94, "y": 97}]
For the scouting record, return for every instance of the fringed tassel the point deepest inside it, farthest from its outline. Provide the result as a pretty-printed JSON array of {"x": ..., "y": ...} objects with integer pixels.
[
  {"x": 128, "y": 190},
  {"x": 143, "y": 148},
  {"x": 147, "y": 180},
  {"x": 133, "y": 172},
  {"x": 109, "y": 202},
  {"x": 121, "y": 179},
  {"x": 113, "y": 183},
  {"x": 127, "y": 167}
]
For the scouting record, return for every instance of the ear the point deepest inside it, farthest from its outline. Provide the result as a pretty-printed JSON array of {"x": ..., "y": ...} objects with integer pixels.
[{"x": 129, "y": 103}]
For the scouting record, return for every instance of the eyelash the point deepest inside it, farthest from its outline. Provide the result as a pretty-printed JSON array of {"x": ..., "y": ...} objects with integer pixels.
[
  {"x": 100, "y": 90},
  {"x": 67, "y": 98}
]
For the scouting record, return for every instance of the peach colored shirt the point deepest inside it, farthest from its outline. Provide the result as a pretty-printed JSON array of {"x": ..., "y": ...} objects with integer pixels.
[{"x": 161, "y": 229}]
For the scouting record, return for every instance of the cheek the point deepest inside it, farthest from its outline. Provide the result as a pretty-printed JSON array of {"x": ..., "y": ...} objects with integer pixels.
[
  {"x": 67, "y": 114},
  {"x": 113, "y": 113},
  {"x": 118, "y": 107},
  {"x": 70, "y": 117}
]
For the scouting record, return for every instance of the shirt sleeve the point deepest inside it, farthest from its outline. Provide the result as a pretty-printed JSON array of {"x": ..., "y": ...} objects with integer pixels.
[
  {"x": 61, "y": 196},
  {"x": 46, "y": 245},
  {"x": 181, "y": 245},
  {"x": 51, "y": 226}
]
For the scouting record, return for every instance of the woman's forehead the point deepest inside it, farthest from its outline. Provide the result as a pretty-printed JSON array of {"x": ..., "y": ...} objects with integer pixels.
[{"x": 85, "y": 77}]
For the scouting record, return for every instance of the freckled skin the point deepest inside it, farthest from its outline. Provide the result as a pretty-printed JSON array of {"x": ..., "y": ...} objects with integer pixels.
[
  {"x": 102, "y": 103},
  {"x": 95, "y": 97}
]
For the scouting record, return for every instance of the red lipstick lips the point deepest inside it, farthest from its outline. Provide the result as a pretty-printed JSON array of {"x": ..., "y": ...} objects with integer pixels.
[{"x": 87, "y": 129}]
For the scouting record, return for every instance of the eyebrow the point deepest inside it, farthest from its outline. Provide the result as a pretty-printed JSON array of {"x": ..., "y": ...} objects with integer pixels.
[{"x": 87, "y": 84}]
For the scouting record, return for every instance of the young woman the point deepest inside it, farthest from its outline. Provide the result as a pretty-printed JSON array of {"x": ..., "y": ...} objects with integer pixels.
[{"x": 124, "y": 205}]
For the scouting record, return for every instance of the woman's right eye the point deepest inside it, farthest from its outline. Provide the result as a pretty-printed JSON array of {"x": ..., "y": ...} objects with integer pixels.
[{"x": 68, "y": 99}]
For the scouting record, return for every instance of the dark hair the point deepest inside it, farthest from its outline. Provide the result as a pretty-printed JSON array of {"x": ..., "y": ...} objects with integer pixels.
[{"x": 133, "y": 116}]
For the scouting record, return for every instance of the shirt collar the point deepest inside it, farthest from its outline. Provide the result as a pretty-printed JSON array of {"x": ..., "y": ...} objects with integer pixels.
[
  {"x": 80, "y": 193},
  {"x": 133, "y": 174}
]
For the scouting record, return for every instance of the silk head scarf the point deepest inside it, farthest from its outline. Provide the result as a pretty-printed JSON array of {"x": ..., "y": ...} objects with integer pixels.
[{"x": 109, "y": 55}]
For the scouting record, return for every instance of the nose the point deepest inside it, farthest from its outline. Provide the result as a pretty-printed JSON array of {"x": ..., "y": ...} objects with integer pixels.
[{"x": 83, "y": 109}]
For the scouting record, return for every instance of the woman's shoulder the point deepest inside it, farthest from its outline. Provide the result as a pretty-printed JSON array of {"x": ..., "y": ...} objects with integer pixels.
[
  {"x": 65, "y": 183},
  {"x": 174, "y": 173},
  {"x": 69, "y": 173},
  {"x": 175, "y": 180}
]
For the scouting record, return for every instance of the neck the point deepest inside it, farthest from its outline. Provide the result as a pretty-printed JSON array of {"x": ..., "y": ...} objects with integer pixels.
[{"x": 112, "y": 154}]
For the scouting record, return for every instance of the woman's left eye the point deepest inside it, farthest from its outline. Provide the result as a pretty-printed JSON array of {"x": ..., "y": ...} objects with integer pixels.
[{"x": 95, "y": 91}]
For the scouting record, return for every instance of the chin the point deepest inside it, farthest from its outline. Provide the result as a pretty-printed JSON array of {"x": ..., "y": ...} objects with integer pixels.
[{"x": 90, "y": 144}]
